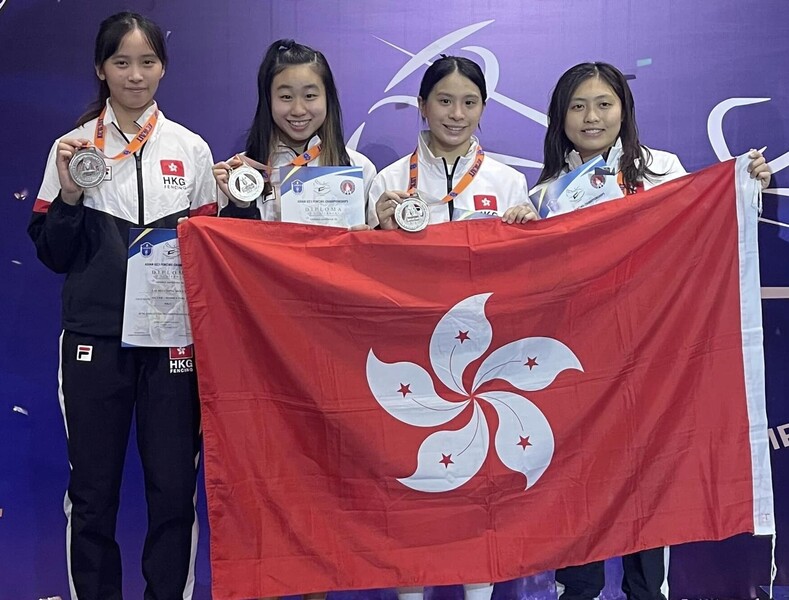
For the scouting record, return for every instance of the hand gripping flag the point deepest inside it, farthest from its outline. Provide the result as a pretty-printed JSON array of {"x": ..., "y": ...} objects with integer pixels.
[{"x": 479, "y": 401}]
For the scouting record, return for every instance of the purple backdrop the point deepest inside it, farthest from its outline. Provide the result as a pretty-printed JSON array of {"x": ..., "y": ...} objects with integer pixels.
[{"x": 687, "y": 59}]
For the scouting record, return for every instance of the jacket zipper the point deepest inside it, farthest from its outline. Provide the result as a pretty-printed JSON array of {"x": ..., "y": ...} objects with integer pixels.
[
  {"x": 140, "y": 194},
  {"x": 138, "y": 164},
  {"x": 450, "y": 177}
]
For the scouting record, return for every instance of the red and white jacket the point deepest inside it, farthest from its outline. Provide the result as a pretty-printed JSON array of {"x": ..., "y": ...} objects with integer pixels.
[{"x": 169, "y": 178}]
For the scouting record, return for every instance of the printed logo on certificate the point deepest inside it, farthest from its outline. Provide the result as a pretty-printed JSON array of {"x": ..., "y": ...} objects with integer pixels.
[
  {"x": 591, "y": 183},
  {"x": 331, "y": 196},
  {"x": 154, "y": 310}
]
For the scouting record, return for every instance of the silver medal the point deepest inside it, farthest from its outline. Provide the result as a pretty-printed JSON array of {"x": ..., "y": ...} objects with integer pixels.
[
  {"x": 245, "y": 183},
  {"x": 87, "y": 168},
  {"x": 412, "y": 214}
]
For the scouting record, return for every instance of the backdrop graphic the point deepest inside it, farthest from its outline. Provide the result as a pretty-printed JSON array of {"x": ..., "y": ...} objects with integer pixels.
[{"x": 709, "y": 77}]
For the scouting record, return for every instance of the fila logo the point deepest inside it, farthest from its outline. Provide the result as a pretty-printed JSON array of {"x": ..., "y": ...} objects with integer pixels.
[{"x": 84, "y": 353}]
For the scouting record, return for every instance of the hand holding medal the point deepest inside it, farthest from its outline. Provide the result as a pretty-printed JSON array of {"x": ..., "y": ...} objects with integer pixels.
[
  {"x": 386, "y": 206},
  {"x": 87, "y": 164},
  {"x": 412, "y": 214},
  {"x": 87, "y": 167},
  {"x": 410, "y": 211},
  {"x": 246, "y": 181},
  {"x": 67, "y": 151},
  {"x": 241, "y": 179}
]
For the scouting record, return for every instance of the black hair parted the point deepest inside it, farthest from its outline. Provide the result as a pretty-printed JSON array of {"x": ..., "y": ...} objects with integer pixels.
[
  {"x": 111, "y": 33},
  {"x": 446, "y": 65}
]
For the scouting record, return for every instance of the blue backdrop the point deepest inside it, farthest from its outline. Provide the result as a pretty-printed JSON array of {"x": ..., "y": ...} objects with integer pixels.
[{"x": 687, "y": 59}]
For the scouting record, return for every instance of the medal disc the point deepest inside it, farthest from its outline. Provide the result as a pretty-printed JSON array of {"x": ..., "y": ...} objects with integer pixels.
[
  {"x": 412, "y": 214},
  {"x": 245, "y": 183},
  {"x": 87, "y": 168}
]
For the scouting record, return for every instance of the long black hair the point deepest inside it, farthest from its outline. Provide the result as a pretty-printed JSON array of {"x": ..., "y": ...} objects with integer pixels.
[
  {"x": 111, "y": 33},
  {"x": 262, "y": 135},
  {"x": 635, "y": 159}
]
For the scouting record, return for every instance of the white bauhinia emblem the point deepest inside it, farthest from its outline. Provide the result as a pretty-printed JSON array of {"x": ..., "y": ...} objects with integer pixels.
[{"x": 448, "y": 459}]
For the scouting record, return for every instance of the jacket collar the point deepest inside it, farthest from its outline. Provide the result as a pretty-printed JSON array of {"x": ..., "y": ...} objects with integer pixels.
[
  {"x": 109, "y": 114},
  {"x": 427, "y": 157},
  {"x": 283, "y": 154},
  {"x": 573, "y": 158},
  {"x": 110, "y": 118}
]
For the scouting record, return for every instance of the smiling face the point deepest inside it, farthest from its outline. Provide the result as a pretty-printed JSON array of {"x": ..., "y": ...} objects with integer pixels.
[
  {"x": 298, "y": 104},
  {"x": 132, "y": 75},
  {"x": 593, "y": 118},
  {"x": 452, "y": 110}
]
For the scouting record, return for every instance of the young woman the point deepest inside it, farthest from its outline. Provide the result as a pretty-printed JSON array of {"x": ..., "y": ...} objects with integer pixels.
[
  {"x": 157, "y": 173},
  {"x": 592, "y": 113},
  {"x": 450, "y": 169},
  {"x": 297, "y": 121}
]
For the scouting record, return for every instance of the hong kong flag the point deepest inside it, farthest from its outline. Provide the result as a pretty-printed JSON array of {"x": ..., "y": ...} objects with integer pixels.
[
  {"x": 479, "y": 401},
  {"x": 172, "y": 167},
  {"x": 485, "y": 202}
]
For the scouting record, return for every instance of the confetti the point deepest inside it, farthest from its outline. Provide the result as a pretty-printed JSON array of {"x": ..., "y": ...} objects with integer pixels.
[
  {"x": 20, "y": 410},
  {"x": 643, "y": 62},
  {"x": 167, "y": 35},
  {"x": 1, "y": 513},
  {"x": 17, "y": 262},
  {"x": 52, "y": 597},
  {"x": 21, "y": 194}
]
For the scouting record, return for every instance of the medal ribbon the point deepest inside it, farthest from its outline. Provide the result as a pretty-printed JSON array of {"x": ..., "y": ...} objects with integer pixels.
[
  {"x": 307, "y": 157},
  {"x": 465, "y": 181},
  {"x": 301, "y": 160},
  {"x": 263, "y": 169},
  {"x": 621, "y": 181},
  {"x": 143, "y": 135}
]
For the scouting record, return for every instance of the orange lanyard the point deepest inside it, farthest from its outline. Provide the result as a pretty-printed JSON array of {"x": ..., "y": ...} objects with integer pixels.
[
  {"x": 143, "y": 135},
  {"x": 621, "y": 181},
  {"x": 307, "y": 157},
  {"x": 301, "y": 160},
  {"x": 465, "y": 181}
]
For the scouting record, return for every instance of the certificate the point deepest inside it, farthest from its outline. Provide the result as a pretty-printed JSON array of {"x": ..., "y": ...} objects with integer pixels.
[
  {"x": 154, "y": 311},
  {"x": 322, "y": 195},
  {"x": 591, "y": 183}
]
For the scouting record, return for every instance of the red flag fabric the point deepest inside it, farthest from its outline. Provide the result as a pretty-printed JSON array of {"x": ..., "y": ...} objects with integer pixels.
[{"x": 479, "y": 401}]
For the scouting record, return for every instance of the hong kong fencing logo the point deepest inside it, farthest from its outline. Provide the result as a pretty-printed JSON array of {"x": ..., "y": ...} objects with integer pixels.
[{"x": 523, "y": 440}]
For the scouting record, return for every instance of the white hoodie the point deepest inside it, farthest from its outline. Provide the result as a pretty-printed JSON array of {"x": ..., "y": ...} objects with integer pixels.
[{"x": 494, "y": 189}]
